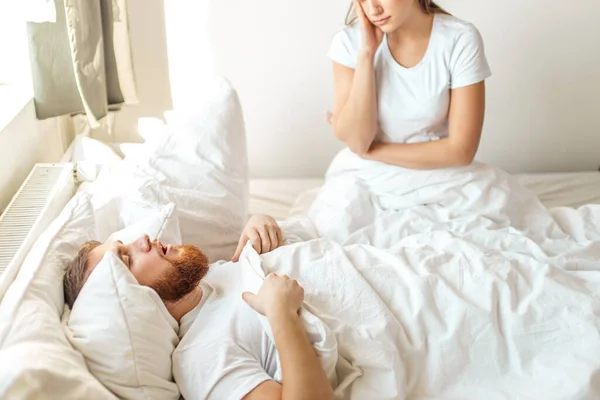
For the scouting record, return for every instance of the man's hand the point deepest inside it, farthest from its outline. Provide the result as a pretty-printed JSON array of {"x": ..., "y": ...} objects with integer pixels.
[
  {"x": 264, "y": 234},
  {"x": 278, "y": 295}
]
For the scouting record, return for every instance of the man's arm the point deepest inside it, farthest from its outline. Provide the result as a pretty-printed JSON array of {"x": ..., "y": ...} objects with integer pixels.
[{"x": 303, "y": 377}]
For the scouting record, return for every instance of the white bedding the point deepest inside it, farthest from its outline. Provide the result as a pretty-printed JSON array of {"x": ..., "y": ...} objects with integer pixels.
[
  {"x": 454, "y": 284},
  {"x": 199, "y": 163},
  {"x": 282, "y": 198}
]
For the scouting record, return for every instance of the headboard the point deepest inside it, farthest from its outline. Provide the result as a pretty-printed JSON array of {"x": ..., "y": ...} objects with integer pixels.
[{"x": 543, "y": 98}]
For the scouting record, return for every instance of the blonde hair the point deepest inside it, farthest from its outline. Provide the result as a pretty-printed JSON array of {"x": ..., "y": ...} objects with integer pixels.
[{"x": 427, "y": 6}]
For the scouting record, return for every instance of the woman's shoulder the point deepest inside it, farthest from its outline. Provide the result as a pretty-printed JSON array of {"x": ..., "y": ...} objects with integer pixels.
[
  {"x": 456, "y": 29},
  {"x": 345, "y": 45},
  {"x": 349, "y": 35}
]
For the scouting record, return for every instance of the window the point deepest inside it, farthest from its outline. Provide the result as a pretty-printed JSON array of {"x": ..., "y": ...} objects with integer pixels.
[
  {"x": 15, "y": 73},
  {"x": 14, "y": 53}
]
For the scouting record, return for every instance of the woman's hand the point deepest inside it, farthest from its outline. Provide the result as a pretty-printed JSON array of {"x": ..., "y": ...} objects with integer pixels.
[
  {"x": 264, "y": 234},
  {"x": 371, "y": 36}
]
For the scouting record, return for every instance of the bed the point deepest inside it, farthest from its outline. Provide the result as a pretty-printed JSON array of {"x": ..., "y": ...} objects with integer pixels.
[
  {"x": 433, "y": 285},
  {"x": 282, "y": 198}
]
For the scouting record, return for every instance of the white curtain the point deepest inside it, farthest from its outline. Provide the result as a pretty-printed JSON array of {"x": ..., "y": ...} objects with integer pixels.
[{"x": 82, "y": 63}]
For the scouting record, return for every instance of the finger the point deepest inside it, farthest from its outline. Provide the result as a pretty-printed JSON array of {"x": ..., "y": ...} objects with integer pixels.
[
  {"x": 280, "y": 239},
  {"x": 266, "y": 241},
  {"x": 329, "y": 118},
  {"x": 360, "y": 12},
  {"x": 254, "y": 238},
  {"x": 249, "y": 298},
  {"x": 273, "y": 238},
  {"x": 240, "y": 248},
  {"x": 272, "y": 275}
]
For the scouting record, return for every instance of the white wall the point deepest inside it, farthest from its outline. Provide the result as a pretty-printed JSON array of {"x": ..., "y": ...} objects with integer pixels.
[
  {"x": 274, "y": 52},
  {"x": 543, "y": 99},
  {"x": 544, "y": 96},
  {"x": 26, "y": 141}
]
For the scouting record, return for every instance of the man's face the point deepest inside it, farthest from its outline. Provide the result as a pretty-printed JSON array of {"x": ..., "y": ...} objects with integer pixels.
[{"x": 173, "y": 271}]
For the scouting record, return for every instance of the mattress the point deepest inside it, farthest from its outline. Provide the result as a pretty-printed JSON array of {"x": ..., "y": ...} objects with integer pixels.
[{"x": 282, "y": 198}]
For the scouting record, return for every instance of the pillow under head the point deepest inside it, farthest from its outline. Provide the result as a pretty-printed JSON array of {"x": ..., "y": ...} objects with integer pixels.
[
  {"x": 125, "y": 333},
  {"x": 123, "y": 329}
]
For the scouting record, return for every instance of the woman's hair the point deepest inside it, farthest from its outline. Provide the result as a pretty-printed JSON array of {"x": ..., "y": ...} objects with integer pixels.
[{"x": 428, "y": 7}]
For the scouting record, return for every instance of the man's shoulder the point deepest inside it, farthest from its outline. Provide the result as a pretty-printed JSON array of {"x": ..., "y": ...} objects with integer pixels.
[{"x": 200, "y": 346}]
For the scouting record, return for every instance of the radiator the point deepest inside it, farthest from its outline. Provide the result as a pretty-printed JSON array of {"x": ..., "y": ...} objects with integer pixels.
[{"x": 41, "y": 198}]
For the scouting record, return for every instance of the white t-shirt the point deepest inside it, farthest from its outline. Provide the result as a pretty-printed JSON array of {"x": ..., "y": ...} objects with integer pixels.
[
  {"x": 414, "y": 102},
  {"x": 224, "y": 352}
]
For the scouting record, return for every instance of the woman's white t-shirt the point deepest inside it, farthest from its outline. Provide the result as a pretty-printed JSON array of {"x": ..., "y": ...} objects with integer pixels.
[{"x": 413, "y": 103}]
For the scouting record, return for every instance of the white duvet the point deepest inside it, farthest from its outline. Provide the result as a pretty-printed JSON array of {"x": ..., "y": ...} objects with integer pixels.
[
  {"x": 450, "y": 284},
  {"x": 447, "y": 284}
]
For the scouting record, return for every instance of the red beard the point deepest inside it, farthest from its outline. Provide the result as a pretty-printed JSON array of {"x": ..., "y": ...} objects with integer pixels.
[{"x": 184, "y": 276}]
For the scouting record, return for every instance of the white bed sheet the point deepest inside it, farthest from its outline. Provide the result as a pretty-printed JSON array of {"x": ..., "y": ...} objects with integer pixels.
[
  {"x": 282, "y": 198},
  {"x": 276, "y": 197},
  {"x": 449, "y": 284}
]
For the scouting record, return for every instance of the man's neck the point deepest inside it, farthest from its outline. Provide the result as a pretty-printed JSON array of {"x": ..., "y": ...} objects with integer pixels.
[{"x": 185, "y": 305}]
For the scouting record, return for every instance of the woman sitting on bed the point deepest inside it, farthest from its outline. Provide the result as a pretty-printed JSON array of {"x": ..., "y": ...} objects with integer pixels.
[{"x": 409, "y": 85}]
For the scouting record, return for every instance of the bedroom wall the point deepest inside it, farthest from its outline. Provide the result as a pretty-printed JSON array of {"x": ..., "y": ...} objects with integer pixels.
[
  {"x": 542, "y": 99},
  {"x": 544, "y": 96}
]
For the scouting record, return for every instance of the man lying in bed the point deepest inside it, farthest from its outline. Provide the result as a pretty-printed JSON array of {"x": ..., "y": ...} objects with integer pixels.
[{"x": 233, "y": 357}]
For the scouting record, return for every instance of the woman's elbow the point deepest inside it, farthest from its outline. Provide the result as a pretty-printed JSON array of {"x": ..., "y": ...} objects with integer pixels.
[
  {"x": 464, "y": 158},
  {"x": 360, "y": 149},
  {"x": 356, "y": 145}
]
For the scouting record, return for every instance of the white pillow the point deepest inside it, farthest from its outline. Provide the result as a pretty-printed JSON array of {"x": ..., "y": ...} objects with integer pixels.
[
  {"x": 95, "y": 307},
  {"x": 126, "y": 220},
  {"x": 130, "y": 150},
  {"x": 125, "y": 333},
  {"x": 200, "y": 164},
  {"x": 162, "y": 225},
  {"x": 92, "y": 151},
  {"x": 36, "y": 360}
]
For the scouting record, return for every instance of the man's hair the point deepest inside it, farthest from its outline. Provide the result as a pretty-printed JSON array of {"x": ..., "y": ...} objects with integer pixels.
[{"x": 76, "y": 272}]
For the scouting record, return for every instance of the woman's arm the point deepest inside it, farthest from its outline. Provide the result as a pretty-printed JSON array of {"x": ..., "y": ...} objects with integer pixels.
[
  {"x": 355, "y": 105},
  {"x": 467, "y": 109}
]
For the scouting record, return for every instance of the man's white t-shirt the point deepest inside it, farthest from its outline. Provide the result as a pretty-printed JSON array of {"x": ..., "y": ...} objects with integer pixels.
[
  {"x": 224, "y": 351},
  {"x": 413, "y": 103}
]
